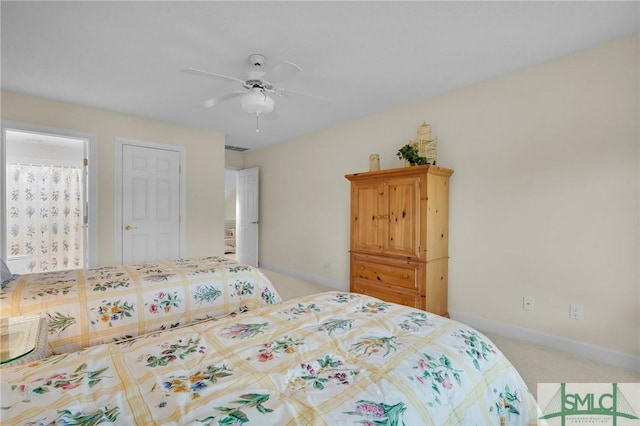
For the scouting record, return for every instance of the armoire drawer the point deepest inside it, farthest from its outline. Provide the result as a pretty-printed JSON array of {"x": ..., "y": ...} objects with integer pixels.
[
  {"x": 386, "y": 293},
  {"x": 396, "y": 273}
]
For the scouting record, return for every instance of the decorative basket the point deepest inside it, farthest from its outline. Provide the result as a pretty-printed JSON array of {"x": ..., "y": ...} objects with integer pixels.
[{"x": 425, "y": 145}]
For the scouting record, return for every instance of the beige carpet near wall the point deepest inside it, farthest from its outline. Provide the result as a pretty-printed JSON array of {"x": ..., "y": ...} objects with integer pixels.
[{"x": 535, "y": 363}]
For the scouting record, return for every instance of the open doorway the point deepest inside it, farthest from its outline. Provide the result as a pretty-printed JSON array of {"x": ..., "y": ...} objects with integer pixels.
[
  {"x": 241, "y": 215},
  {"x": 45, "y": 197},
  {"x": 230, "y": 244}
]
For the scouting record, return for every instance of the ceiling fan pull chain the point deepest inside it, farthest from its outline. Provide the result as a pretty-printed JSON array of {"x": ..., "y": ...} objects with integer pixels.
[{"x": 257, "y": 124}]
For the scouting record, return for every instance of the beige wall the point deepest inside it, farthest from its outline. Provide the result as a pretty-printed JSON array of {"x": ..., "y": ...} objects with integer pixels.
[
  {"x": 205, "y": 164},
  {"x": 234, "y": 159},
  {"x": 544, "y": 199}
]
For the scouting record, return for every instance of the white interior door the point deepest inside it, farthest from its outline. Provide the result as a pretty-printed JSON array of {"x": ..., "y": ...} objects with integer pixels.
[
  {"x": 150, "y": 204},
  {"x": 247, "y": 216}
]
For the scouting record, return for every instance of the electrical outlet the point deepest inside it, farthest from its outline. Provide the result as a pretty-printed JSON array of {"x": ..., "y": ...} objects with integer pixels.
[
  {"x": 528, "y": 303},
  {"x": 575, "y": 311}
]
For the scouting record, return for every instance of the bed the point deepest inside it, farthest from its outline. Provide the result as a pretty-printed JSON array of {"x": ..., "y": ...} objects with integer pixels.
[
  {"x": 328, "y": 359},
  {"x": 87, "y": 307}
]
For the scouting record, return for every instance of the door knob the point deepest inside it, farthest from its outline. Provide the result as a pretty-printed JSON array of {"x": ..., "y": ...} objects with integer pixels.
[{"x": 129, "y": 227}]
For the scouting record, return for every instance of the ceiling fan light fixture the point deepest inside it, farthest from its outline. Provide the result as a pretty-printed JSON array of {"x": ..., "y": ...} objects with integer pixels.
[{"x": 257, "y": 102}]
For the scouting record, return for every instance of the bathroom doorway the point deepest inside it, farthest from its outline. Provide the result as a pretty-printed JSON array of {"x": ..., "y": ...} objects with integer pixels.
[{"x": 46, "y": 199}]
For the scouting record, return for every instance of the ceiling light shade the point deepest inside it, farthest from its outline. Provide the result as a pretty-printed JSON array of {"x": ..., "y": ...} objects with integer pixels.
[{"x": 257, "y": 102}]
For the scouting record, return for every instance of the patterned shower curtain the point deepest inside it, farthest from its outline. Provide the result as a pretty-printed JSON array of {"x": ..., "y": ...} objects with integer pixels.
[{"x": 44, "y": 216}]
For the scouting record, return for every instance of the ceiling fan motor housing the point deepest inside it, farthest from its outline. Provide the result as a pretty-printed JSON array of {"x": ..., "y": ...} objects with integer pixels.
[{"x": 255, "y": 79}]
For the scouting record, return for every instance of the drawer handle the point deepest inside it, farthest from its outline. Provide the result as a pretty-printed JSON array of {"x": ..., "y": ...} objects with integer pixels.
[
  {"x": 405, "y": 276},
  {"x": 361, "y": 268}
]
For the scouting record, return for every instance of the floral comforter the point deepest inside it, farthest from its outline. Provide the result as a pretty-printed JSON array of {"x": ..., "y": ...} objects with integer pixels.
[
  {"x": 328, "y": 359},
  {"x": 86, "y": 307}
]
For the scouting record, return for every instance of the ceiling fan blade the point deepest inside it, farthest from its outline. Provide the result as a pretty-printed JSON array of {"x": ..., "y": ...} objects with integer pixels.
[
  {"x": 282, "y": 71},
  {"x": 204, "y": 73},
  {"x": 282, "y": 91},
  {"x": 215, "y": 101}
]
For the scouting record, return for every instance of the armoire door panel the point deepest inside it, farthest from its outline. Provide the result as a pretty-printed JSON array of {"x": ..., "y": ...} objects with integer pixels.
[
  {"x": 403, "y": 208},
  {"x": 365, "y": 220}
]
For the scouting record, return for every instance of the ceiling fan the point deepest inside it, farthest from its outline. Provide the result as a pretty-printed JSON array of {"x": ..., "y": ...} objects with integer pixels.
[{"x": 255, "y": 97}]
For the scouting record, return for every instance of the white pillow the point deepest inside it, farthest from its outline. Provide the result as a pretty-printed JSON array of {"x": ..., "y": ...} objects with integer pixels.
[{"x": 5, "y": 273}]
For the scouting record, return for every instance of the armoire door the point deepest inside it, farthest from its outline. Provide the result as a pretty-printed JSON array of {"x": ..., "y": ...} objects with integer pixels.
[
  {"x": 402, "y": 205},
  {"x": 367, "y": 221}
]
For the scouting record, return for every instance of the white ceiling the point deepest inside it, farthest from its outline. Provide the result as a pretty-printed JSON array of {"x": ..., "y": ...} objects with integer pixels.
[{"x": 366, "y": 57}]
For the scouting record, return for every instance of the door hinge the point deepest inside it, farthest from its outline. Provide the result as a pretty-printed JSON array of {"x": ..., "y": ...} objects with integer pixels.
[
  {"x": 86, "y": 162},
  {"x": 179, "y": 169}
]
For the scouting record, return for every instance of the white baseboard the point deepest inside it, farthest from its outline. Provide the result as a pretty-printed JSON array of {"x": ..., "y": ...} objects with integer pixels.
[
  {"x": 586, "y": 350},
  {"x": 335, "y": 285}
]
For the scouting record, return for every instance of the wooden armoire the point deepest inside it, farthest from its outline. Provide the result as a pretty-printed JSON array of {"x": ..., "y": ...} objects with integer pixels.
[{"x": 400, "y": 236}]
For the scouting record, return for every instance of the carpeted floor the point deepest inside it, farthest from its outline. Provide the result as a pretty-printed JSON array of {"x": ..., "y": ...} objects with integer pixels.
[
  {"x": 535, "y": 363},
  {"x": 538, "y": 364}
]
